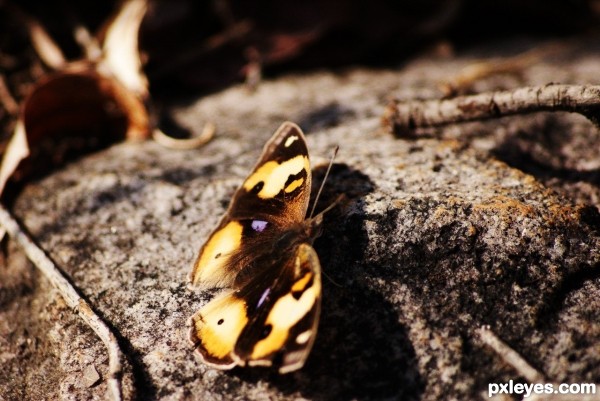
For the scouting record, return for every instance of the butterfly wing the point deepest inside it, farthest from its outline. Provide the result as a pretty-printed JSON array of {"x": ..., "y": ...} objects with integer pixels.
[
  {"x": 283, "y": 321},
  {"x": 276, "y": 192},
  {"x": 264, "y": 325},
  {"x": 216, "y": 328},
  {"x": 278, "y": 188}
]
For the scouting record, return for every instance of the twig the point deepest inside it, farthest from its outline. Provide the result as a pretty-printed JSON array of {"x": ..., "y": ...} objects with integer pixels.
[
  {"x": 523, "y": 368},
  {"x": 184, "y": 144},
  {"x": 472, "y": 73},
  {"x": 404, "y": 117},
  {"x": 510, "y": 356},
  {"x": 88, "y": 43},
  {"x": 253, "y": 69},
  {"x": 71, "y": 297},
  {"x": 232, "y": 33},
  {"x": 46, "y": 48}
]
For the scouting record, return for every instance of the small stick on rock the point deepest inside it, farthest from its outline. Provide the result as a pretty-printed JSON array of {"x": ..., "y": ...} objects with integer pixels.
[
  {"x": 184, "y": 144},
  {"x": 510, "y": 356},
  {"x": 528, "y": 372},
  {"x": 71, "y": 297},
  {"x": 403, "y": 117},
  {"x": 464, "y": 80}
]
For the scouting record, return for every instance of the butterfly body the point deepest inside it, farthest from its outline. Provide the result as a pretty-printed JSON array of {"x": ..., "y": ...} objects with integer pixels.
[{"x": 261, "y": 252}]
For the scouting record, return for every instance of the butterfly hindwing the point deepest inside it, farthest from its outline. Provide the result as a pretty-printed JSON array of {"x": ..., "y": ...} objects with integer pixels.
[
  {"x": 216, "y": 328},
  {"x": 261, "y": 251},
  {"x": 258, "y": 325}
]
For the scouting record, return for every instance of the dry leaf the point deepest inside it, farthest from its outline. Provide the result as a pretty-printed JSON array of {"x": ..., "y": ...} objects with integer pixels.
[
  {"x": 16, "y": 151},
  {"x": 84, "y": 105},
  {"x": 120, "y": 46}
]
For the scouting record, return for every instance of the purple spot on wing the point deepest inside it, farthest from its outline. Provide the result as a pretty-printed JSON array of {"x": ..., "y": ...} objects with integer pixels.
[
  {"x": 263, "y": 297},
  {"x": 259, "y": 225}
]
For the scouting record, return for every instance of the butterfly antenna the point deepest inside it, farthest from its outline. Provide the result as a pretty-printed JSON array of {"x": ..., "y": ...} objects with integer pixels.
[
  {"x": 312, "y": 211},
  {"x": 331, "y": 280}
]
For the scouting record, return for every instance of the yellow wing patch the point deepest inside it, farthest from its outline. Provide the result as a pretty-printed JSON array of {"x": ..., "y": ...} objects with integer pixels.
[
  {"x": 208, "y": 269},
  {"x": 290, "y": 140},
  {"x": 218, "y": 326},
  {"x": 304, "y": 337},
  {"x": 274, "y": 175},
  {"x": 286, "y": 312},
  {"x": 295, "y": 184},
  {"x": 300, "y": 285}
]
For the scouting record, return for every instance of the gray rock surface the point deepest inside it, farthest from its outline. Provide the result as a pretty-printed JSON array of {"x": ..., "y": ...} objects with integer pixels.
[{"x": 440, "y": 237}]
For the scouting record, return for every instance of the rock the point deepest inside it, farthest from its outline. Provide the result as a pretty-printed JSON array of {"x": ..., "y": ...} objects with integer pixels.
[
  {"x": 440, "y": 237},
  {"x": 90, "y": 376}
]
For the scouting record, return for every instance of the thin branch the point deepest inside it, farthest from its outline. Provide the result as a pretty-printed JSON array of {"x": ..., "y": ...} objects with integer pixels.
[
  {"x": 464, "y": 80},
  {"x": 510, "y": 356},
  {"x": 235, "y": 32},
  {"x": 88, "y": 43},
  {"x": 46, "y": 48},
  {"x": 208, "y": 132},
  {"x": 403, "y": 117},
  {"x": 524, "y": 369},
  {"x": 37, "y": 256}
]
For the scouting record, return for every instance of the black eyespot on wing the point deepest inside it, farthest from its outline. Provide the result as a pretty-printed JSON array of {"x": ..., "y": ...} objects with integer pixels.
[
  {"x": 266, "y": 331},
  {"x": 257, "y": 188},
  {"x": 221, "y": 321},
  {"x": 293, "y": 177}
]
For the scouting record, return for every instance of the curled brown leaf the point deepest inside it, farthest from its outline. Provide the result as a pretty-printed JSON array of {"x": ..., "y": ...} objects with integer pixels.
[{"x": 82, "y": 105}]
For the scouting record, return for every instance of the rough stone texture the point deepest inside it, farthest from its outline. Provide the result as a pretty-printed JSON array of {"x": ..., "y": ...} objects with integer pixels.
[{"x": 440, "y": 237}]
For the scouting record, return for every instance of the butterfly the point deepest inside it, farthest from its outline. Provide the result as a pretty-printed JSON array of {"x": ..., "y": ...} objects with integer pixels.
[{"x": 261, "y": 252}]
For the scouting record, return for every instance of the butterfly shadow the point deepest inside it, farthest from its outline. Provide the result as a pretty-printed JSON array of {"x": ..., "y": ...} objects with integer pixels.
[{"x": 362, "y": 351}]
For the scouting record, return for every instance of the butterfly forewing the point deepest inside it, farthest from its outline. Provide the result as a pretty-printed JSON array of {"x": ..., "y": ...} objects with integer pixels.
[
  {"x": 278, "y": 188},
  {"x": 276, "y": 192}
]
